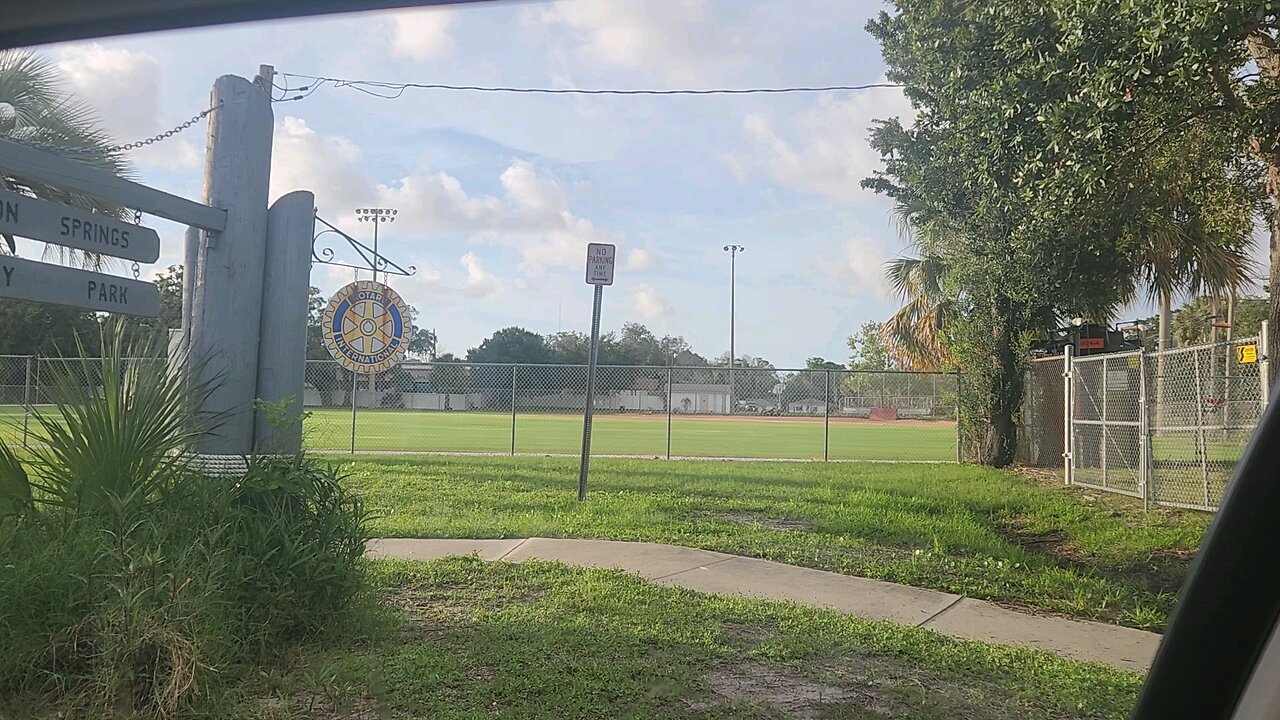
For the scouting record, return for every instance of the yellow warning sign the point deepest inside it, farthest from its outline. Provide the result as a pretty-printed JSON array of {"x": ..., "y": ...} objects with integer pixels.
[
  {"x": 1135, "y": 362},
  {"x": 1247, "y": 354}
]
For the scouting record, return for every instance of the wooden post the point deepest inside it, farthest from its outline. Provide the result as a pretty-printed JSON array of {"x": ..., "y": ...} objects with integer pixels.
[
  {"x": 282, "y": 354},
  {"x": 225, "y": 292}
]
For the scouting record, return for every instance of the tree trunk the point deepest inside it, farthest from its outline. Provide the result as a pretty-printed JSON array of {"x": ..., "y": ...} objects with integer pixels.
[
  {"x": 1266, "y": 55},
  {"x": 1165, "y": 339},
  {"x": 1273, "y": 283},
  {"x": 1007, "y": 390}
]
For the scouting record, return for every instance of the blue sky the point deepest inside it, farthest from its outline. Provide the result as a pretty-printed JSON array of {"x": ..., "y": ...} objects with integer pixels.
[{"x": 499, "y": 194}]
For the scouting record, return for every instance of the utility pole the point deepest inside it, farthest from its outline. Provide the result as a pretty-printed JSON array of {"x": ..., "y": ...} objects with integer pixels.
[{"x": 733, "y": 251}]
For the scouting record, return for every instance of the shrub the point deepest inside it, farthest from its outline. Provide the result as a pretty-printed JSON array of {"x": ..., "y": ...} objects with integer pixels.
[
  {"x": 301, "y": 536},
  {"x": 131, "y": 584}
]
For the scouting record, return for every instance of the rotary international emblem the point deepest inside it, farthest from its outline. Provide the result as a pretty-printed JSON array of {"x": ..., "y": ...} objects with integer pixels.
[{"x": 367, "y": 327}]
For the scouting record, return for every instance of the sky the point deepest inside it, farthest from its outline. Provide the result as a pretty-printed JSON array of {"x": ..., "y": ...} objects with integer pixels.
[{"x": 498, "y": 195}]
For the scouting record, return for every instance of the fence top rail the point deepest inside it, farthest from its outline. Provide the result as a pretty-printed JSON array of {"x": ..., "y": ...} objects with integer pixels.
[
  {"x": 1104, "y": 356},
  {"x": 663, "y": 368},
  {"x": 1207, "y": 346}
]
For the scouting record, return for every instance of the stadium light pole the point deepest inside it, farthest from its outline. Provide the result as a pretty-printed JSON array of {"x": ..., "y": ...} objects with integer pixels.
[
  {"x": 733, "y": 251},
  {"x": 377, "y": 216}
]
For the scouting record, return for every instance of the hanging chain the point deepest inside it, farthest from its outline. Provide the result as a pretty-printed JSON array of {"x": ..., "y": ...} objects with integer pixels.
[
  {"x": 137, "y": 270},
  {"x": 164, "y": 135},
  {"x": 65, "y": 150}
]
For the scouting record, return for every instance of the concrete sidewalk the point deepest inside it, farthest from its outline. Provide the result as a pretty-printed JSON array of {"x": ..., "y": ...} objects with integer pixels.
[{"x": 713, "y": 572}]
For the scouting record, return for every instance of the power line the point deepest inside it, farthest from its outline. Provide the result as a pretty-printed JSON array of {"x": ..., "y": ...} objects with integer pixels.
[{"x": 393, "y": 90}]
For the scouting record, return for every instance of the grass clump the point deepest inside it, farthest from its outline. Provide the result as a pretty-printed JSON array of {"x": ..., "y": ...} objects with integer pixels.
[{"x": 134, "y": 585}]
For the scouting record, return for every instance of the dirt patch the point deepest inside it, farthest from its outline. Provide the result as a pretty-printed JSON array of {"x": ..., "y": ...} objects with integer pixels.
[
  {"x": 747, "y": 635},
  {"x": 785, "y": 419},
  {"x": 856, "y": 685},
  {"x": 791, "y": 693},
  {"x": 1163, "y": 571},
  {"x": 330, "y": 706},
  {"x": 761, "y": 520}
]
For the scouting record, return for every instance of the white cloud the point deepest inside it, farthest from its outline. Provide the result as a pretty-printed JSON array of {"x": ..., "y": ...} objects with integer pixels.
[
  {"x": 123, "y": 86},
  {"x": 533, "y": 217},
  {"x": 638, "y": 260},
  {"x": 648, "y": 303},
  {"x": 329, "y": 166},
  {"x": 862, "y": 267},
  {"x": 680, "y": 40},
  {"x": 479, "y": 282},
  {"x": 426, "y": 284},
  {"x": 421, "y": 34},
  {"x": 826, "y": 150}
]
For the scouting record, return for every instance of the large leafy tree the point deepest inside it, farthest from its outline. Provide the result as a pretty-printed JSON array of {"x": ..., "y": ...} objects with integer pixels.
[
  {"x": 1128, "y": 79},
  {"x": 1021, "y": 200},
  {"x": 1011, "y": 264}
]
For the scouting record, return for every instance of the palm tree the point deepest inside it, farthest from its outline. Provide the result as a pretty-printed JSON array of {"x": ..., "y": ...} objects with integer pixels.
[
  {"x": 913, "y": 334},
  {"x": 35, "y": 110},
  {"x": 1193, "y": 220}
]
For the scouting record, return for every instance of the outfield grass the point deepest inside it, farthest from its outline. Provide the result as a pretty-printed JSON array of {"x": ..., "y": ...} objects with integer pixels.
[
  {"x": 964, "y": 529},
  {"x": 539, "y": 641},
  {"x": 645, "y": 435}
]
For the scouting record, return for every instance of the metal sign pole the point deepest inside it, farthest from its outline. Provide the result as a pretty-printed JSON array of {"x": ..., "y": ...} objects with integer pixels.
[
  {"x": 355, "y": 387},
  {"x": 591, "y": 393}
]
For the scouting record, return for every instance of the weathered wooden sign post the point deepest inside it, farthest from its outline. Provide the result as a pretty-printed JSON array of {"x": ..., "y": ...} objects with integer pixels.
[
  {"x": 246, "y": 269},
  {"x": 600, "y": 264}
]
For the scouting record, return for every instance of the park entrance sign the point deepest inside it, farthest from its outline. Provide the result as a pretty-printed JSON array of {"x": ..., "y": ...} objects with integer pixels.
[
  {"x": 22, "y": 279},
  {"x": 77, "y": 228},
  {"x": 85, "y": 230},
  {"x": 367, "y": 327}
]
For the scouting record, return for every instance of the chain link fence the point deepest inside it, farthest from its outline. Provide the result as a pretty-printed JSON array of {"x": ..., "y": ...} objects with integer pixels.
[
  {"x": 1166, "y": 427},
  {"x": 648, "y": 412},
  {"x": 658, "y": 412}
]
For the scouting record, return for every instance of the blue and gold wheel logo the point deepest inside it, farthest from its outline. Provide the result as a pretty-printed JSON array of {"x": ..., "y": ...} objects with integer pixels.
[{"x": 367, "y": 327}]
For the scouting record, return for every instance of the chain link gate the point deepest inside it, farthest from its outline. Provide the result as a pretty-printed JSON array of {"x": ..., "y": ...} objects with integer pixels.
[
  {"x": 1208, "y": 403},
  {"x": 1167, "y": 428},
  {"x": 1108, "y": 434}
]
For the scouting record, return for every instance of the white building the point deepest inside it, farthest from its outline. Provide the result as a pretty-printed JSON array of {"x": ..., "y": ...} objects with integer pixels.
[
  {"x": 807, "y": 406},
  {"x": 700, "y": 398}
]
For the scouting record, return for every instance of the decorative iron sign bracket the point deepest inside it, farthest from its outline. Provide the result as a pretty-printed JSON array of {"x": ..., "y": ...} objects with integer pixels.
[{"x": 372, "y": 260}]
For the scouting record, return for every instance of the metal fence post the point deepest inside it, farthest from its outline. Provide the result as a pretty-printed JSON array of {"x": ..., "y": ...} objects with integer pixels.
[
  {"x": 1106, "y": 391},
  {"x": 26, "y": 401},
  {"x": 826, "y": 421},
  {"x": 669, "y": 399},
  {"x": 1144, "y": 434},
  {"x": 513, "y": 410},
  {"x": 1201, "y": 448},
  {"x": 956, "y": 412},
  {"x": 1264, "y": 369},
  {"x": 355, "y": 389},
  {"x": 1068, "y": 412}
]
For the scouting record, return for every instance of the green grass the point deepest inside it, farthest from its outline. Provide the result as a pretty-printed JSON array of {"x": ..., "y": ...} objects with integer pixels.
[
  {"x": 467, "y": 639},
  {"x": 964, "y": 529},
  {"x": 744, "y": 437}
]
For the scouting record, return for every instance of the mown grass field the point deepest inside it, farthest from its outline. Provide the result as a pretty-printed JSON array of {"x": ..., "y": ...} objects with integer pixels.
[
  {"x": 979, "y": 532},
  {"x": 466, "y": 639},
  {"x": 329, "y": 430},
  {"x": 644, "y": 435}
]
